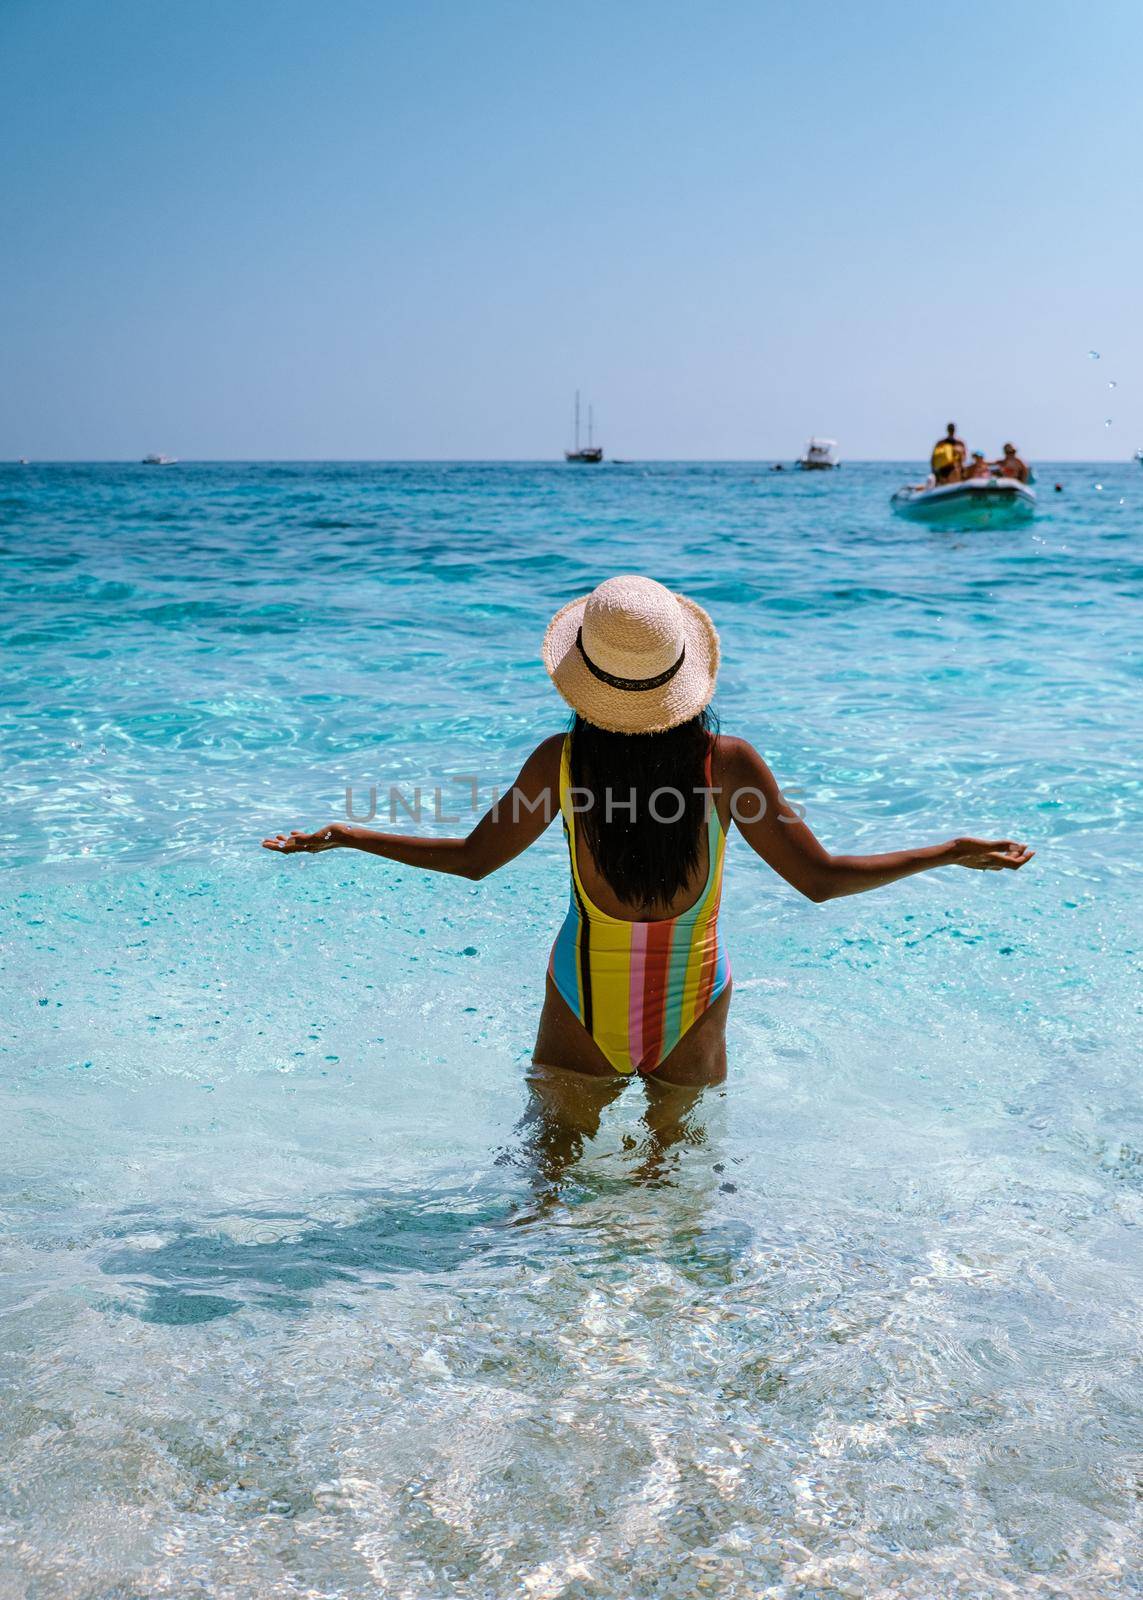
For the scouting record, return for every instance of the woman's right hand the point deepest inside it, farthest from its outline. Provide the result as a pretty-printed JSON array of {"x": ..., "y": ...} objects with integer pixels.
[
  {"x": 328, "y": 838},
  {"x": 990, "y": 855}
]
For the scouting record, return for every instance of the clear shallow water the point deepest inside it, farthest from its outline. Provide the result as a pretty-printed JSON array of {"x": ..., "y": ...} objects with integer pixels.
[{"x": 280, "y": 1312}]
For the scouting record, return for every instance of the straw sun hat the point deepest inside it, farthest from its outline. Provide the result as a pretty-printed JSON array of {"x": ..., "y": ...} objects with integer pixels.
[{"x": 632, "y": 657}]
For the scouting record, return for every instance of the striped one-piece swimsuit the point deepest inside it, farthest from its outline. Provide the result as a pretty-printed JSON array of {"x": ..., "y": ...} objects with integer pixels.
[{"x": 638, "y": 986}]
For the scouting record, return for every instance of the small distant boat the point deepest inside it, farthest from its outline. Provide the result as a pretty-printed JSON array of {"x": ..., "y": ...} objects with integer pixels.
[
  {"x": 591, "y": 454},
  {"x": 820, "y": 456},
  {"x": 1139, "y": 457},
  {"x": 159, "y": 461},
  {"x": 975, "y": 503}
]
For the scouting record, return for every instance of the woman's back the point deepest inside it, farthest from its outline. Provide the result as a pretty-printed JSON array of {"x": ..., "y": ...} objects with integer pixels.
[
  {"x": 687, "y": 887},
  {"x": 603, "y": 896},
  {"x": 639, "y": 968}
]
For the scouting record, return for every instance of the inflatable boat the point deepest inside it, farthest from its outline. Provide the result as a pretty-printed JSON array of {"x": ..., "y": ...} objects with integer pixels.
[{"x": 976, "y": 503}]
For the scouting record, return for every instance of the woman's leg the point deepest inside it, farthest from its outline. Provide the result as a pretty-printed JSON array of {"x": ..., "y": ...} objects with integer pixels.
[
  {"x": 570, "y": 1083},
  {"x": 669, "y": 1119},
  {"x": 563, "y": 1112}
]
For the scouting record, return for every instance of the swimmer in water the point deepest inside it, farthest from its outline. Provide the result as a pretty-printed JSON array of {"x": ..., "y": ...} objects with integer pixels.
[{"x": 648, "y": 790}]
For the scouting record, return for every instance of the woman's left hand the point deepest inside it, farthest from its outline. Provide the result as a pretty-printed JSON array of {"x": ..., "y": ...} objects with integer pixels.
[
  {"x": 990, "y": 855},
  {"x": 288, "y": 843}
]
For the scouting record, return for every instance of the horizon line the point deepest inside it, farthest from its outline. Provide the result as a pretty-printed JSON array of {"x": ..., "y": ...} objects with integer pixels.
[{"x": 513, "y": 461}]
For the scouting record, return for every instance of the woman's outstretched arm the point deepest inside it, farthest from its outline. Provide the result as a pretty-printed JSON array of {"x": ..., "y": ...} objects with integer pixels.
[
  {"x": 773, "y": 829},
  {"x": 514, "y": 822}
]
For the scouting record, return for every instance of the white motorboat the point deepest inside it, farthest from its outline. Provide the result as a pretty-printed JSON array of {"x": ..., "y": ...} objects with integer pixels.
[
  {"x": 973, "y": 503},
  {"x": 820, "y": 456},
  {"x": 159, "y": 461}
]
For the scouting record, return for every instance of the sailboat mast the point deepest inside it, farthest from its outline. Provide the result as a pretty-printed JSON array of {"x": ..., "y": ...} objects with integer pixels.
[
  {"x": 590, "y": 425},
  {"x": 577, "y": 422}
]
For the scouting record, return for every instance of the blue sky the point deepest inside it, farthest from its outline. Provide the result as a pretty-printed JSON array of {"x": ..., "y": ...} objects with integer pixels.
[{"x": 411, "y": 228}]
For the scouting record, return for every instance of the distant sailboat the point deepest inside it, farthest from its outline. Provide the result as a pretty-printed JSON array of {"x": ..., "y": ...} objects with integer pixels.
[{"x": 593, "y": 452}]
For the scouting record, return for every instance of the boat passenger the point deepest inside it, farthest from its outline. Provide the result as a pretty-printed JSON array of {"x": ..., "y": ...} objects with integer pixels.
[
  {"x": 948, "y": 457},
  {"x": 978, "y": 467},
  {"x": 1011, "y": 466}
]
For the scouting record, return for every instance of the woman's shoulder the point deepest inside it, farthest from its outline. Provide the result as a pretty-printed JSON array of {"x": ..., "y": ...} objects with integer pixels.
[
  {"x": 735, "y": 762},
  {"x": 545, "y": 758},
  {"x": 540, "y": 773}
]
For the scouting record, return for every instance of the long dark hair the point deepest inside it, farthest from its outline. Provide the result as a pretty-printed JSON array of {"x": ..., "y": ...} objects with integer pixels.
[{"x": 645, "y": 861}]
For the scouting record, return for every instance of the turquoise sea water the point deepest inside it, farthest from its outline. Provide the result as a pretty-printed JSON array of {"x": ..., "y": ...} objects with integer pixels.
[{"x": 280, "y": 1312}]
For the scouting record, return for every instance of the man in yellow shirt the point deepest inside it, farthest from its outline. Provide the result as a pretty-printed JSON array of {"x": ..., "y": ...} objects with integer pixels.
[{"x": 948, "y": 457}]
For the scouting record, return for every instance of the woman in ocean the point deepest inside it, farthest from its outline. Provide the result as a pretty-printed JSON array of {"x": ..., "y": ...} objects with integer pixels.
[{"x": 639, "y": 979}]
